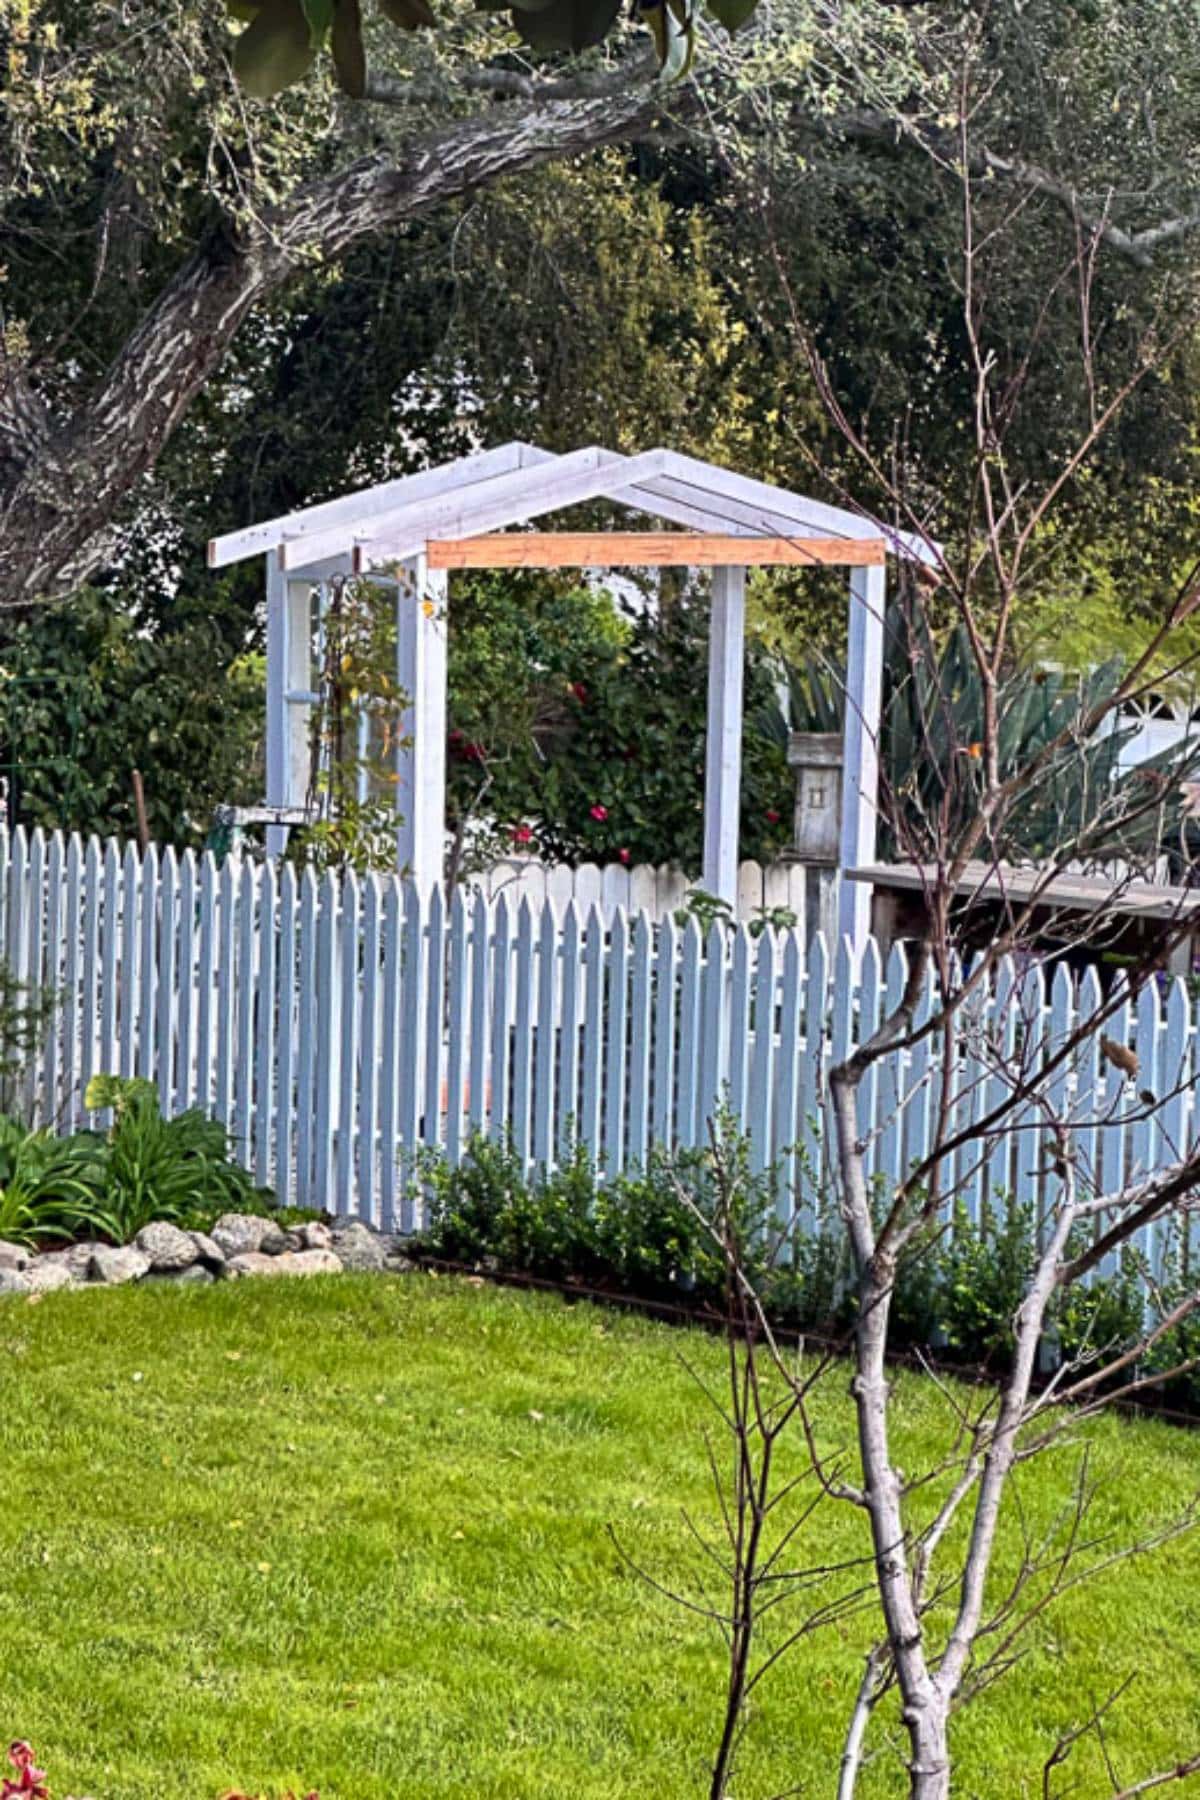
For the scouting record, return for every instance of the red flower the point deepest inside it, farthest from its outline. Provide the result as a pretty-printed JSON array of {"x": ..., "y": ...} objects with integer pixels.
[
  {"x": 580, "y": 692},
  {"x": 522, "y": 834},
  {"x": 772, "y": 816},
  {"x": 600, "y": 812},
  {"x": 31, "y": 1782},
  {"x": 623, "y": 854}
]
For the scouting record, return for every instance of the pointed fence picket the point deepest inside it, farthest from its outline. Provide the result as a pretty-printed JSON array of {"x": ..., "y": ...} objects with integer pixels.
[{"x": 342, "y": 1028}]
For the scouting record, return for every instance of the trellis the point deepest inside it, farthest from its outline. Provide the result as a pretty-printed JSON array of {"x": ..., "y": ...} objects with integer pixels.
[{"x": 420, "y": 527}]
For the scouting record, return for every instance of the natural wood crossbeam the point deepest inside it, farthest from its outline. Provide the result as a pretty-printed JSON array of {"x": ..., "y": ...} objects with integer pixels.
[{"x": 645, "y": 549}]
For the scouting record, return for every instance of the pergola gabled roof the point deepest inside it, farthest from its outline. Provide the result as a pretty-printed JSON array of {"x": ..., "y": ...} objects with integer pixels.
[{"x": 517, "y": 482}]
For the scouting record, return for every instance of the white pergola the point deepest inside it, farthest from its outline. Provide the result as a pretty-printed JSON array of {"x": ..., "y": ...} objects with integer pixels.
[{"x": 455, "y": 516}]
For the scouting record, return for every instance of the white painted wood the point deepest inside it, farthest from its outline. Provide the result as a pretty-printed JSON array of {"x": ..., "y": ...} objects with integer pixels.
[
  {"x": 434, "y": 987},
  {"x": 547, "y": 1032},
  {"x": 665, "y": 1013},
  {"x": 860, "y": 746},
  {"x": 163, "y": 1068},
  {"x": 307, "y": 1029},
  {"x": 524, "y": 1005},
  {"x": 241, "y": 1021},
  {"x": 638, "y": 1139},
  {"x": 128, "y": 992},
  {"x": 615, "y": 1046},
  {"x": 688, "y": 1067},
  {"x": 479, "y": 1099},
  {"x": 266, "y": 1105},
  {"x": 346, "y": 1011},
  {"x": 52, "y": 974},
  {"x": 392, "y": 953},
  {"x": 412, "y": 1022},
  {"x": 327, "y": 527},
  {"x": 723, "y": 743},
  {"x": 757, "y": 1105},
  {"x": 326, "y": 1058},
  {"x": 569, "y": 1052},
  {"x": 286, "y": 1108},
  {"x": 458, "y": 1025},
  {"x": 421, "y": 750},
  {"x": 503, "y": 500},
  {"x": 592, "y": 1100},
  {"x": 147, "y": 964}
]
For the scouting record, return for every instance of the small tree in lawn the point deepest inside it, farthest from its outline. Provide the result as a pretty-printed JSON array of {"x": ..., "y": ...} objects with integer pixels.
[{"x": 968, "y": 1033}]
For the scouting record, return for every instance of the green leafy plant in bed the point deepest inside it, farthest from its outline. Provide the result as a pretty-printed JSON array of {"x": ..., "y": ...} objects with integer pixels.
[
  {"x": 178, "y": 1169},
  {"x": 109, "y": 1184}
]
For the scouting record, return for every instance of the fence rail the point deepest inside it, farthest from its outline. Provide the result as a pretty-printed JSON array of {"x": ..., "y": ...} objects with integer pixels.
[{"x": 340, "y": 1026}]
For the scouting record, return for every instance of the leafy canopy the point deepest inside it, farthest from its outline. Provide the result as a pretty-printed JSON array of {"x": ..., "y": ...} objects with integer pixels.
[{"x": 283, "y": 38}]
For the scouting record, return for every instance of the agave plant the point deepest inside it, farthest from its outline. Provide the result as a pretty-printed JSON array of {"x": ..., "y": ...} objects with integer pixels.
[
  {"x": 283, "y": 38},
  {"x": 933, "y": 721}
]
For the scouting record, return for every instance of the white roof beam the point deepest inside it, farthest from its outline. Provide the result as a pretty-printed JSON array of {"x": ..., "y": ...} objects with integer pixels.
[
  {"x": 719, "y": 485},
  {"x": 329, "y": 527},
  {"x": 510, "y": 500}
]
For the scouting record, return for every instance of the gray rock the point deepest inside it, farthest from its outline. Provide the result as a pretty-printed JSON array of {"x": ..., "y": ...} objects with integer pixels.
[
  {"x": 195, "y": 1275},
  {"x": 46, "y": 1273},
  {"x": 208, "y": 1250},
  {"x": 15, "y": 1281},
  {"x": 358, "y": 1248},
  {"x": 114, "y": 1266},
  {"x": 315, "y": 1236},
  {"x": 400, "y": 1265},
  {"x": 237, "y": 1233},
  {"x": 166, "y": 1246},
  {"x": 14, "y": 1256},
  {"x": 276, "y": 1242},
  {"x": 76, "y": 1258},
  {"x": 288, "y": 1262}
]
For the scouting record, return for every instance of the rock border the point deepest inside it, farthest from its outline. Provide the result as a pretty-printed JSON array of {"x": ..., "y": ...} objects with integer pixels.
[{"x": 240, "y": 1245}]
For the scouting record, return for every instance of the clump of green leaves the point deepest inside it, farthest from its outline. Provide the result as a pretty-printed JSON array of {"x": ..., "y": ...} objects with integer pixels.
[
  {"x": 178, "y": 1169},
  {"x": 109, "y": 1184},
  {"x": 283, "y": 38}
]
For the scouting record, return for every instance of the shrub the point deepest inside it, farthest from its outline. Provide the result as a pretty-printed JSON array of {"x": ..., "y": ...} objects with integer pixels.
[{"x": 644, "y": 1233}]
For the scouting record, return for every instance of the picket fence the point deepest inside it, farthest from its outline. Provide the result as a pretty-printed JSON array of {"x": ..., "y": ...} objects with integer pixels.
[
  {"x": 340, "y": 1026},
  {"x": 805, "y": 890}
]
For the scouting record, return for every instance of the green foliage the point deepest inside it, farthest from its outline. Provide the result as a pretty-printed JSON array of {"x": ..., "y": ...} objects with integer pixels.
[
  {"x": 932, "y": 726},
  {"x": 645, "y": 1233},
  {"x": 177, "y": 1169},
  {"x": 25, "y": 1016},
  {"x": 144, "y": 1168},
  {"x": 582, "y": 732},
  {"x": 90, "y": 691},
  {"x": 49, "y": 1187},
  {"x": 280, "y": 43}
]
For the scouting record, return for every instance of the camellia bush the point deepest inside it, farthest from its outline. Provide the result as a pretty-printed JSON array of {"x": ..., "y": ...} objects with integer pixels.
[{"x": 577, "y": 729}]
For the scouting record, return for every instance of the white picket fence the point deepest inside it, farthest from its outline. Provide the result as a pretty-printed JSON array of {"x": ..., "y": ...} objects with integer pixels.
[
  {"x": 662, "y": 889},
  {"x": 338, "y": 1027}
]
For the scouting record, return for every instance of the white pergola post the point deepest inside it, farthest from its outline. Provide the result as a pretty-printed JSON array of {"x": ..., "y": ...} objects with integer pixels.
[
  {"x": 723, "y": 749},
  {"x": 860, "y": 771},
  {"x": 421, "y": 762}
]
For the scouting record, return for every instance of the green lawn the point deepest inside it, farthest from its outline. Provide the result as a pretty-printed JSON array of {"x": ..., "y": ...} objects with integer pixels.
[{"x": 351, "y": 1534}]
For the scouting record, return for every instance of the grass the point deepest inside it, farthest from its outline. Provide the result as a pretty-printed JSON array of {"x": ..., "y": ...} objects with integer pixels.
[{"x": 352, "y": 1534}]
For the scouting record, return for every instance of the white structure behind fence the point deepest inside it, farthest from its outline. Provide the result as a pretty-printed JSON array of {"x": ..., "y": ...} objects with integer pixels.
[
  {"x": 807, "y": 891},
  {"x": 338, "y": 1027}
]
